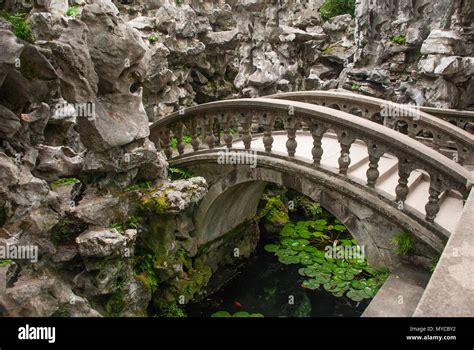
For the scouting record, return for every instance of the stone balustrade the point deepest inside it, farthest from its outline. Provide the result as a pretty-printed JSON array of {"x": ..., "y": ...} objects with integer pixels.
[
  {"x": 432, "y": 126},
  {"x": 210, "y": 125}
]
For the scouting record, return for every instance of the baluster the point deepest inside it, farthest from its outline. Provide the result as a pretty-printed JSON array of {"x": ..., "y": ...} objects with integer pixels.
[
  {"x": 178, "y": 132},
  {"x": 344, "y": 160},
  {"x": 402, "y": 189},
  {"x": 194, "y": 136},
  {"x": 373, "y": 171},
  {"x": 227, "y": 135},
  {"x": 432, "y": 206},
  {"x": 246, "y": 124},
  {"x": 317, "y": 151},
  {"x": 210, "y": 133},
  {"x": 166, "y": 141},
  {"x": 267, "y": 133},
  {"x": 217, "y": 134},
  {"x": 291, "y": 126}
]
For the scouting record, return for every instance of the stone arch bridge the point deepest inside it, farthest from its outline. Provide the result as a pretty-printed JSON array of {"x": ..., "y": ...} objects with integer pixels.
[{"x": 377, "y": 166}]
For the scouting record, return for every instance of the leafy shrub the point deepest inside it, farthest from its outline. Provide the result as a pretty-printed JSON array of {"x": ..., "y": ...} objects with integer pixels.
[
  {"x": 333, "y": 8},
  {"x": 399, "y": 39},
  {"x": 20, "y": 26}
]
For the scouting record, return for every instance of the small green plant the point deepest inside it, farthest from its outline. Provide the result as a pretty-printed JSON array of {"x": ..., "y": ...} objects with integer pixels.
[
  {"x": 434, "y": 263},
  {"x": 152, "y": 38},
  {"x": 62, "y": 182},
  {"x": 399, "y": 39},
  {"x": 139, "y": 186},
  {"x": 356, "y": 87},
  {"x": 174, "y": 141},
  {"x": 404, "y": 242},
  {"x": 171, "y": 310},
  {"x": 5, "y": 262},
  {"x": 20, "y": 26},
  {"x": 144, "y": 268},
  {"x": 117, "y": 226},
  {"x": 179, "y": 2},
  {"x": 133, "y": 222},
  {"x": 333, "y": 8},
  {"x": 179, "y": 173},
  {"x": 72, "y": 11}
]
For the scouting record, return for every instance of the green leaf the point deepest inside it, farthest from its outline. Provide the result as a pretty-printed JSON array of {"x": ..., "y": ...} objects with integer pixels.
[
  {"x": 310, "y": 284},
  {"x": 256, "y": 315},
  {"x": 221, "y": 314},
  {"x": 241, "y": 314},
  {"x": 272, "y": 248}
]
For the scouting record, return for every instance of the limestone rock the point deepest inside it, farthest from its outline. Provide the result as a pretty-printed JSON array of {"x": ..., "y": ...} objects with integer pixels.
[
  {"x": 101, "y": 242},
  {"x": 9, "y": 122}
]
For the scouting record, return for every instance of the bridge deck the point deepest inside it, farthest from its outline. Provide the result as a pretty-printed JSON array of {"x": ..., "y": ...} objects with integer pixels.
[{"x": 451, "y": 203}]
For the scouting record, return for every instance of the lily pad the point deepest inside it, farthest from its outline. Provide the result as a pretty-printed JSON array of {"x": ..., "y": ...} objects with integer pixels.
[
  {"x": 310, "y": 284},
  {"x": 272, "y": 248},
  {"x": 221, "y": 314}
]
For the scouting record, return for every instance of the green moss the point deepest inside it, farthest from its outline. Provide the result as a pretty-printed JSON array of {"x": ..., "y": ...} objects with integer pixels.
[
  {"x": 156, "y": 205},
  {"x": 170, "y": 310},
  {"x": 405, "y": 243},
  {"x": 333, "y": 8},
  {"x": 20, "y": 26},
  {"x": 115, "y": 304},
  {"x": 399, "y": 39},
  {"x": 62, "y": 182},
  {"x": 65, "y": 230}
]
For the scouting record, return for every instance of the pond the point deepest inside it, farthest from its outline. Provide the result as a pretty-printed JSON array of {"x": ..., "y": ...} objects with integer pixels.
[
  {"x": 270, "y": 288},
  {"x": 306, "y": 264}
]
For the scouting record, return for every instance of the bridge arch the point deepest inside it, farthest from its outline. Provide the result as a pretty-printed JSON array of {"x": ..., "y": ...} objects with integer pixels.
[{"x": 234, "y": 193}]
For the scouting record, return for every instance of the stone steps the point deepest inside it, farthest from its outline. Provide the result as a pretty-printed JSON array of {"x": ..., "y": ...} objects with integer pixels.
[{"x": 418, "y": 183}]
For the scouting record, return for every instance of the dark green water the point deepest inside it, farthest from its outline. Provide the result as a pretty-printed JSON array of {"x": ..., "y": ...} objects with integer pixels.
[{"x": 266, "y": 286}]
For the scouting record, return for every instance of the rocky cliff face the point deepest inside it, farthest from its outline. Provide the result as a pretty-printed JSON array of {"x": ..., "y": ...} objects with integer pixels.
[{"x": 77, "y": 94}]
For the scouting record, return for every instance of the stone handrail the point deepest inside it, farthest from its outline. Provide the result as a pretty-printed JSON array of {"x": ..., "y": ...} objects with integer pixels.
[
  {"x": 207, "y": 121},
  {"x": 410, "y": 120}
]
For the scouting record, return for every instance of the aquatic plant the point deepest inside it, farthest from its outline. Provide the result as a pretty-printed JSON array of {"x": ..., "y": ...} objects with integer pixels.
[{"x": 302, "y": 242}]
